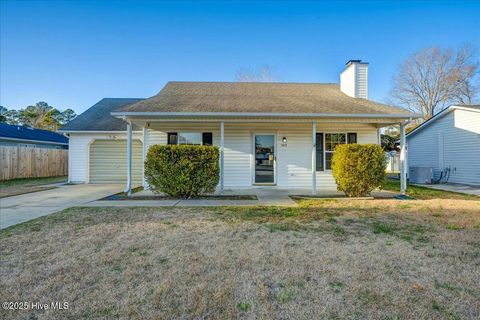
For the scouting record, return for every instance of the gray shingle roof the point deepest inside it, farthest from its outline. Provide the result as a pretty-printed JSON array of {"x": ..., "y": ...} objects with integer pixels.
[
  {"x": 98, "y": 117},
  {"x": 258, "y": 97}
]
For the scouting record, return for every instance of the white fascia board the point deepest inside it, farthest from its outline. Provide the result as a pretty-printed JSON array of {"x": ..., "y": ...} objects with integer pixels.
[
  {"x": 439, "y": 115},
  {"x": 425, "y": 124},
  {"x": 466, "y": 108},
  {"x": 262, "y": 114}
]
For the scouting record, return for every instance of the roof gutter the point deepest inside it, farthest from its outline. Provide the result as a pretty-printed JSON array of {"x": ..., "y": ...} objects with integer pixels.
[
  {"x": 96, "y": 131},
  {"x": 262, "y": 114}
]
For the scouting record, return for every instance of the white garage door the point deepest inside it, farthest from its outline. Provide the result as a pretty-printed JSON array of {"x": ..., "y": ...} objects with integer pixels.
[{"x": 108, "y": 161}]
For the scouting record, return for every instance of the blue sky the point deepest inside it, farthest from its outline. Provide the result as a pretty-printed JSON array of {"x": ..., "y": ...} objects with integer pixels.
[{"x": 73, "y": 53}]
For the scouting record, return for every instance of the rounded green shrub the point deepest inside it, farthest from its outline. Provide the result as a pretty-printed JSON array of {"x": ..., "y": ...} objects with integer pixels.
[
  {"x": 358, "y": 168},
  {"x": 183, "y": 171}
]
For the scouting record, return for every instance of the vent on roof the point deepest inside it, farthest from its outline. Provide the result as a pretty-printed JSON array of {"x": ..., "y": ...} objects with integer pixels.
[{"x": 354, "y": 79}]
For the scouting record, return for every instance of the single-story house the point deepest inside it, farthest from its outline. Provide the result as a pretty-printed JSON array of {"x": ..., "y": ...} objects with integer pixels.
[
  {"x": 280, "y": 135},
  {"x": 15, "y": 135},
  {"x": 449, "y": 143}
]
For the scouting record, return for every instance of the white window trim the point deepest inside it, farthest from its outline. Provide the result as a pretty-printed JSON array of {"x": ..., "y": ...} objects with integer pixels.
[{"x": 325, "y": 148}]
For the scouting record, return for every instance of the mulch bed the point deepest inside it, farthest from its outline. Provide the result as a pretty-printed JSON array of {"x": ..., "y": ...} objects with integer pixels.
[{"x": 122, "y": 196}]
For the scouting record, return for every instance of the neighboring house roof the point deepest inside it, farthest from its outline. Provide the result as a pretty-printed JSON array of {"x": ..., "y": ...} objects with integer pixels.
[
  {"x": 444, "y": 112},
  {"x": 258, "y": 97},
  {"x": 98, "y": 117},
  {"x": 27, "y": 134}
]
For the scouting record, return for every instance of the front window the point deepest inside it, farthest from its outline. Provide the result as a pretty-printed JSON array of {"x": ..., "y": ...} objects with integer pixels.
[
  {"x": 326, "y": 144},
  {"x": 191, "y": 138},
  {"x": 331, "y": 141}
]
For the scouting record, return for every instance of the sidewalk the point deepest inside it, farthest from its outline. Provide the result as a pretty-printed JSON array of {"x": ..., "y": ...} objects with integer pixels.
[{"x": 265, "y": 197}]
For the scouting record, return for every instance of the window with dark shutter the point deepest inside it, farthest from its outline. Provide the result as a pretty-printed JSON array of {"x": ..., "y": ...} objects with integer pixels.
[
  {"x": 207, "y": 138},
  {"x": 352, "y": 137},
  {"x": 172, "y": 138},
  {"x": 319, "y": 151}
]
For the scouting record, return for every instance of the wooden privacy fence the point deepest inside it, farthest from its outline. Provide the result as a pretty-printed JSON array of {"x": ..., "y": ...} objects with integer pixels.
[{"x": 26, "y": 162}]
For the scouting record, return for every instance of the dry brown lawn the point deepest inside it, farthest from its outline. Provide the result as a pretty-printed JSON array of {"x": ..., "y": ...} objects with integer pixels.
[
  {"x": 378, "y": 259},
  {"x": 15, "y": 187}
]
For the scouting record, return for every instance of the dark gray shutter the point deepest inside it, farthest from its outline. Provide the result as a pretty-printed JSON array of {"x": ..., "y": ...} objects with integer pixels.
[
  {"x": 172, "y": 138},
  {"x": 352, "y": 137},
  {"x": 207, "y": 139},
  {"x": 319, "y": 151}
]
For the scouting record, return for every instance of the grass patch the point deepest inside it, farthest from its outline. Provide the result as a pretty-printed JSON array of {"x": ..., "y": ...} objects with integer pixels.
[
  {"x": 367, "y": 296},
  {"x": 420, "y": 192},
  {"x": 244, "y": 306},
  {"x": 282, "y": 227},
  {"x": 284, "y": 295},
  {"x": 454, "y": 227},
  {"x": 336, "y": 286},
  {"x": 222, "y": 263},
  {"x": 338, "y": 231},
  {"x": 28, "y": 182},
  {"x": 15, "y": 187},
  {"x": 411, "y": 232},
  {"x": 382, "y": 227}
]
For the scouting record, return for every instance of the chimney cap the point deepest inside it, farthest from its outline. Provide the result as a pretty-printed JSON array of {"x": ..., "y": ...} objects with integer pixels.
[{"x": 349, "y": 62}]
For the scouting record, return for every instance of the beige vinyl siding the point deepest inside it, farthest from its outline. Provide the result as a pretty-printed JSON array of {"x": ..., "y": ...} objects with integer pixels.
[
  {"x": 458, "y": 135},
  {"x": 108, "y": 161},
  {"x": 293, "y": 167}
]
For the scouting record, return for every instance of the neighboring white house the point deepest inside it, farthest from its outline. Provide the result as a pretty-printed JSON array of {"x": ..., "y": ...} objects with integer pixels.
[
  {"x": 280, "y": 135},
  {"x": 448, "y": 142}
]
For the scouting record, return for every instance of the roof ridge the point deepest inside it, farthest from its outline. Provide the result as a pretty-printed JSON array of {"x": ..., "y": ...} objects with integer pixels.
[
  {"x": 255, "y": 82},
  {"x": 122, "y": 98}
]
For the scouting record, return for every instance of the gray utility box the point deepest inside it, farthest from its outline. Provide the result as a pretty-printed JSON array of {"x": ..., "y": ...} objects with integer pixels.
[{"x": 420, "y": 174}]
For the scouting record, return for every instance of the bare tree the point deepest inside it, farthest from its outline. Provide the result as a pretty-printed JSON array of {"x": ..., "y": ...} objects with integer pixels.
[
  {"x": 263, "y": 74},
  {"x": 433, "y": 78}
]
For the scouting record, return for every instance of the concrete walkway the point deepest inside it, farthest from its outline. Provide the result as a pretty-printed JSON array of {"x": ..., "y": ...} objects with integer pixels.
[
  {"x": 454, "y": 187},
  {"x": 17, "y": 209},
  {"x": 266, "y": 197}
]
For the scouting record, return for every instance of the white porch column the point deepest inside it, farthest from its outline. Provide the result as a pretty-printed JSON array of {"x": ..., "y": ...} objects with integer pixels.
[
  {"x": 314, "y": 158},
  {"x": 144, "y": 155},
  {"x": 403, "y": 158},
  {"x": 128, "y": 188},
  {"x": 222, "y": 142}
]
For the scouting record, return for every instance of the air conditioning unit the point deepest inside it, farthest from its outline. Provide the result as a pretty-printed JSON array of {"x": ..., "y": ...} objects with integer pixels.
[{"x": 422, "y": 175}]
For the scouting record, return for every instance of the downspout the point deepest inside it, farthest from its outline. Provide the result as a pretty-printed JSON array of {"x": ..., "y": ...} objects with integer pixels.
[{"x": 69, "y": 158}]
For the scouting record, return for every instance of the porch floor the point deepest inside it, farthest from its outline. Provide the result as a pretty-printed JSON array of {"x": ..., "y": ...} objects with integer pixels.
[{"x": 267, "y": 196}]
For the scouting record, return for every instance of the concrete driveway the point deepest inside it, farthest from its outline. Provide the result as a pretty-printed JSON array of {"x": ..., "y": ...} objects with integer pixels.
[{"x": 17, "y": 209}]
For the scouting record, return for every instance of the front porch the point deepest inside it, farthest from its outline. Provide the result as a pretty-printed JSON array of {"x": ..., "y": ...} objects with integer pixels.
[
  {"x": 266, "y": 196},
  {"x": 296, "y": 157}
]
